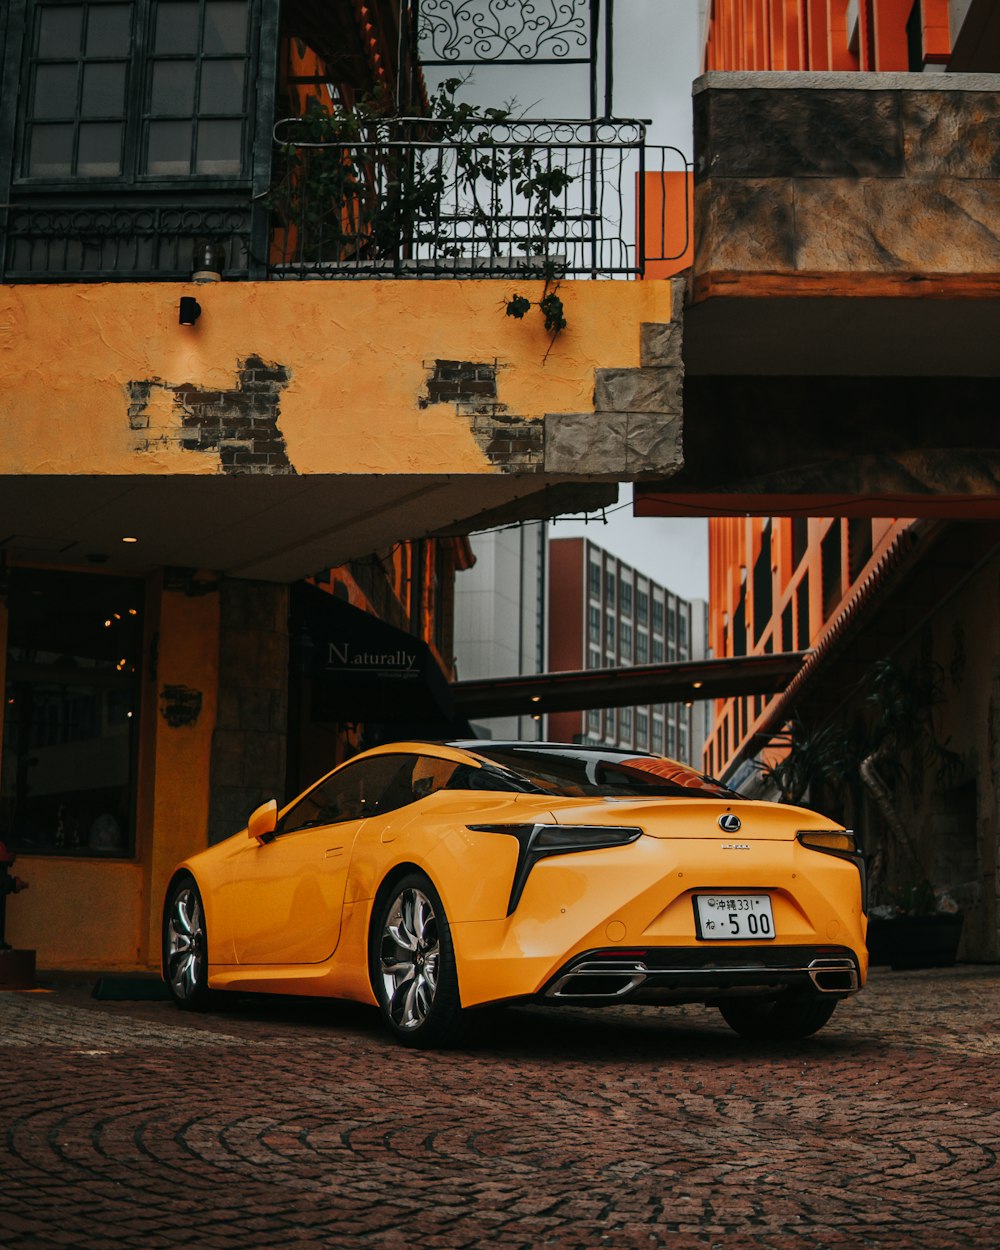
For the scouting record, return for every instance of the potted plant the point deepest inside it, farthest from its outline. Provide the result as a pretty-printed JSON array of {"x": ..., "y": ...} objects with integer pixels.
[
  {"x": 884, "y": 753},
  {"x": 920, "y": 928}
]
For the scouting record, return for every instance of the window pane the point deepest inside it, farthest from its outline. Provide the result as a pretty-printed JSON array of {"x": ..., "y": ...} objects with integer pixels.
[
  {"x": 219, "y": 145},
  {"x": 169, "y": 148},
  {"x": 71, "y": 698},
  {"x": 221, "y": 87},
  {"x": 225, "y": 26},
  {"x": 100, "y": 151},
  {"x": 173, "y": 88},
  {"x": 176, "y": 27},
  {"x": 108, "y": 30},
  {"x": 103, "y": 91},
  {"x": 59, "y": 31},
  {"x": 51, "y": 151},
  {"x": 55, "y": 91}
]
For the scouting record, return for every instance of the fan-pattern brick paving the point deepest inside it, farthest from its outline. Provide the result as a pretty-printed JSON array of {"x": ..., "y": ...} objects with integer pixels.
[{"x": 284, "y": 1125}]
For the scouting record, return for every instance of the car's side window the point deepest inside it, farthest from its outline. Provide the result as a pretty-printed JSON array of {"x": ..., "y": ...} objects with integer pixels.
[
  {"x": 465, "y": 777},
  {"x": 370, "y": 787},
  {"x": 430, "y": 773}
]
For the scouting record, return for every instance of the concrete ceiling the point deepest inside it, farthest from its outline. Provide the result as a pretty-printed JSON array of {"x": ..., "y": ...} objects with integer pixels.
[{"x": 272, "y": 528}]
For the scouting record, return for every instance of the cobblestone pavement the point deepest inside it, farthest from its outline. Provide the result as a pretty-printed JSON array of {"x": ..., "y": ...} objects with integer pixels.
[{"x": 281, "y": 1125}]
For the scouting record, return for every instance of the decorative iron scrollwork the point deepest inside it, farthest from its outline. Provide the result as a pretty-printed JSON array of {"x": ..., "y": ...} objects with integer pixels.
[{"x": 459, "y": 31}]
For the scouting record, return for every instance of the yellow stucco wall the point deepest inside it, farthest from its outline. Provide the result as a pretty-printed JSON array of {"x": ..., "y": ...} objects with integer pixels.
[
  {"x": 77, "y": 914},
  {"x": 188, "y": 655},
  {"x": 358, "y": 355}
]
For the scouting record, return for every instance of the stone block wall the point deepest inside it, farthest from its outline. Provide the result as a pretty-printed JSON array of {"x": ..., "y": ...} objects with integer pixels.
[{"x": 847, "y": 173}]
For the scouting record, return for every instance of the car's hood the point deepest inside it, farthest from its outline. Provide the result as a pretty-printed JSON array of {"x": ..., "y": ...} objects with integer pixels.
[{"x": 694, "y": 818}]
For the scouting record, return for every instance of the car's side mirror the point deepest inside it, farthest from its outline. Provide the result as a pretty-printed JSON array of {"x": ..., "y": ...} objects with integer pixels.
[{"x": 263, "y": 822}]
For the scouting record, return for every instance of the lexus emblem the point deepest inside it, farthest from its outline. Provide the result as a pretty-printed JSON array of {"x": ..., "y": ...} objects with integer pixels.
[{"x": 729, "y": 823}]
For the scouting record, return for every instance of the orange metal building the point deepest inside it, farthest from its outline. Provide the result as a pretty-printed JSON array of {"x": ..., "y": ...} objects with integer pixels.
[
  {"x": 879, "y": 35},
  {"x": 889, "y": 723},
  {"x": 778, "y": 584}
]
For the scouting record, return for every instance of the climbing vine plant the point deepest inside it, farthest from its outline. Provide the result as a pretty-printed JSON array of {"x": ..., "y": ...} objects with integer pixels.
[{"x": 455, "y": 187}]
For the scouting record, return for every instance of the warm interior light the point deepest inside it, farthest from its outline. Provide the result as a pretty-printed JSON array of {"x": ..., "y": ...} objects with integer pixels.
[
  {"x": 697, "y": 685},
  {"x": 129, "y": 539},
  {"x": 208, "y": 261}
]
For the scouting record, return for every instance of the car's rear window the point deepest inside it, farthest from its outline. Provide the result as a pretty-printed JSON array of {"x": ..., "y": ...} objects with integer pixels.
[{"x": 574, "y": 772}]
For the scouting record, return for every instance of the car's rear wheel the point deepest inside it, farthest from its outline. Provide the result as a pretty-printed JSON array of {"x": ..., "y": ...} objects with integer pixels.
[
  {"x": 779, "y": 1019},
  {"x": 413, "y": 965},
  {"x": 185, "y": 946}
]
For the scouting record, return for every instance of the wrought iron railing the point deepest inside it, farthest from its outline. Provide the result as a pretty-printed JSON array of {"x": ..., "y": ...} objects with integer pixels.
[
  {"x": 538, "y": 198},
  {"x": 67, "y": 238}
]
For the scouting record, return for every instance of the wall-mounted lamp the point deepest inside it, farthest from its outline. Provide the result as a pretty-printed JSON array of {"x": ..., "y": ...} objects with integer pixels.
[
  {"x": 190, "y": 310},
  {"x": 208, "y": 261}
]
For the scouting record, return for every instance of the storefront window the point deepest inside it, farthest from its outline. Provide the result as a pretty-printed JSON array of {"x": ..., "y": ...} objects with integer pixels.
[{"x": 70, "y": 714}]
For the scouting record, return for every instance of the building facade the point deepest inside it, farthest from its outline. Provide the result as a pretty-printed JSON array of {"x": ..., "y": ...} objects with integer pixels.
[
  {"x": 889, "y": 724},
  {"x": 914, "y": 35},
  {"x": 501, "y": 619},
  {"x": 845, "y": 263},
  {"x": 603, "y": 613},
  {"x": 191, "y": 431}
]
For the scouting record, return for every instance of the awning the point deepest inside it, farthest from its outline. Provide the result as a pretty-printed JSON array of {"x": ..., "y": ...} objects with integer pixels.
[{"x": 362, "y": 669}]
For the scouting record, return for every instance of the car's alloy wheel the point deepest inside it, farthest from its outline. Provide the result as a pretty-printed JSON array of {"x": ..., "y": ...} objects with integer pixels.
[
  {"x": 779, "y": 1019},
  {"x": 413, "y": 965},
  {"x": 185, "y": 946}
]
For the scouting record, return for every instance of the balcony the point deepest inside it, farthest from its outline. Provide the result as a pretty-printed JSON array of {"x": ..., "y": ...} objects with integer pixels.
[
  {"x": 397, "y": 198},
  {"x": 846, "y": 224},
  {"x": 843, "y": 306}
]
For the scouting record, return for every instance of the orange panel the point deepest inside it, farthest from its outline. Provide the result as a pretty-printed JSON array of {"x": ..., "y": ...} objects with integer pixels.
[{"x": 668, "y": 215}]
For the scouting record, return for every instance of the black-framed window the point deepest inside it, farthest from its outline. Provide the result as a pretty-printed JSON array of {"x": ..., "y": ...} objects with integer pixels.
[
  {"x": 136, "y": 90},
  {"x": 71, "y": 703}
]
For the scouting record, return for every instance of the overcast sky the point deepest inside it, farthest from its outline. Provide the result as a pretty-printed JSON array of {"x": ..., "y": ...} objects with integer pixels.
[{"x": 657, "y": 56}]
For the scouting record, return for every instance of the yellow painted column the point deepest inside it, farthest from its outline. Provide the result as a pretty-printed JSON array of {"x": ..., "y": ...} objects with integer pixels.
[{"x": 186, "y": 700}]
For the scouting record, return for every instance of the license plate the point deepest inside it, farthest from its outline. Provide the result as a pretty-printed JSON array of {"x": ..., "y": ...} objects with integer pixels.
[{"x": 728, "y": 917}]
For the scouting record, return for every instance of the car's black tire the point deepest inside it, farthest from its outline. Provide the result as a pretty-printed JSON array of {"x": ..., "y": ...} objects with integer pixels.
[
  {"x": 412, "y": 966},
  {"x": 185, "y": 946},
  {"x": 778, "y": 1019}
]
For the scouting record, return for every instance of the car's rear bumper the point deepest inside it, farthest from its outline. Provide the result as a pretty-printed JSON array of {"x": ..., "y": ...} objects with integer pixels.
[{"x": 703, "y": 975}]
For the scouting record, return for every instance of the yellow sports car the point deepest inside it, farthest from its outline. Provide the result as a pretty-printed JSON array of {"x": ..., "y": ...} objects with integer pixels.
[{"x": 432, "y": 879}]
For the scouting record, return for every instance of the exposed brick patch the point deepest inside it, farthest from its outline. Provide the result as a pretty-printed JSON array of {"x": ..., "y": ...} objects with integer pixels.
[
  {"x": 514, "y": 444},
  {"x": 460, "y": 382},
  {"x": 240, "y": 424}
]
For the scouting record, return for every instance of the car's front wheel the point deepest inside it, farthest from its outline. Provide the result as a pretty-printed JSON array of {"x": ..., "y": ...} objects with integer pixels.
[
  {"x": 185, "y": 946},
  {"x": 413, "y": 965},
  {"x": 779, "y": 1019}
]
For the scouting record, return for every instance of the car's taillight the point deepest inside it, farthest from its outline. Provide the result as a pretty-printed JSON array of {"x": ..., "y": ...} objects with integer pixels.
[
  {"x": 842, "y": 840},
  {"x": 845, "y": 845},
  {"x": 537, "y": 842}
]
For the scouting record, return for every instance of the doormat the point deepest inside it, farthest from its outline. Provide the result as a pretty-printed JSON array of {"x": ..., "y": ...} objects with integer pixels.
[{"x": 122, "y": 987}]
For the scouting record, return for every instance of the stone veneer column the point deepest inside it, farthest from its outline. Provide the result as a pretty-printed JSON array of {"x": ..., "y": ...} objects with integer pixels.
[{"x": 249, "y": 743}]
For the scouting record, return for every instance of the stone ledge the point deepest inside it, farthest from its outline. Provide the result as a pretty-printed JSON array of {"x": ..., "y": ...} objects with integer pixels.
[
  {"x": 614, "y": 443},
  {"x": 798, "y": 80}
]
